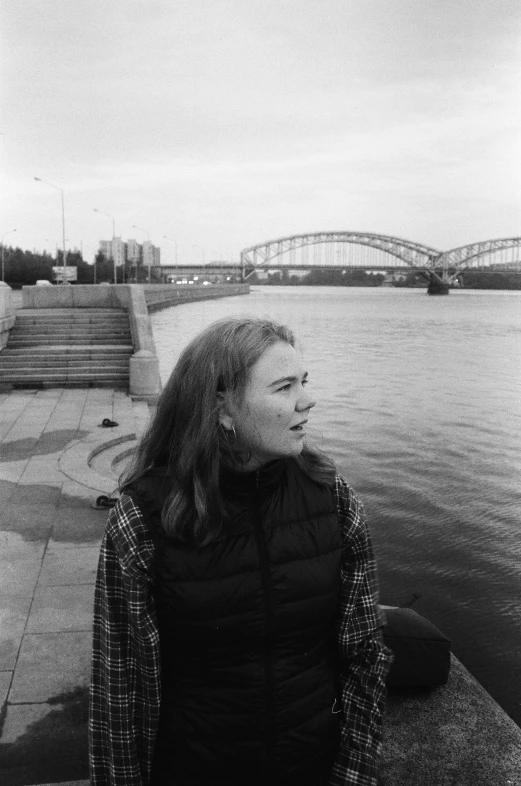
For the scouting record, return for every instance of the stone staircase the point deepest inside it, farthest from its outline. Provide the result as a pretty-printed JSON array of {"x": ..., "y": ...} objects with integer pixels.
[{"x": 67, "y": 347}]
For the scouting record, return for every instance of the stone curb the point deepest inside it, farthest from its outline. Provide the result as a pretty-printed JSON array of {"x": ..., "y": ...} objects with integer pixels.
[{"x": 74, "y": 463}]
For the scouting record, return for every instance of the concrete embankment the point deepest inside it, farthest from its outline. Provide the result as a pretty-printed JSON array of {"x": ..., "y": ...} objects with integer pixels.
[
  {"x": 71, "y": 307},
  {"x": 159, "y": 296},
  {"x": 119, "y": 295}
]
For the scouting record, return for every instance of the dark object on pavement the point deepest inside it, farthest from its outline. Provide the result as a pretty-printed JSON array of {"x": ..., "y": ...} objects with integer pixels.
[
  {"x": 108, "y": 423},
  {"x": 103, "y": 502},
  {"x": 421, "y": 651}
]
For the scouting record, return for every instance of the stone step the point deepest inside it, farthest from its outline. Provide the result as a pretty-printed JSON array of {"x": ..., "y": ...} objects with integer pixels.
[
  {"x": 58, "y": 363},
  {"x": 48, "y": 313},
  {"x": 66, "y": 375},
  {"x": 37, "y": 322},
  {"x": 23, "y": 319},
  {"x": 78, "y": 351},
  {"x": 42, "y": 384},
  {"x": 28, "y": 341},
  {"x": 67, "y": 348},
  {"x": 90, "y": 330},
  {"x": 42, "y": 375},
  {"x": 60, "y": 338}
]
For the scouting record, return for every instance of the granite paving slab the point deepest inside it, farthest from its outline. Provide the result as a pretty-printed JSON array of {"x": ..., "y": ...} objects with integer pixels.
[
  {"x": 79, "y": 525},
  {"x": 19, "y": 577},
  {"x": 77, "y": 566},
  {"x": 5, "y": 684},
  {"x": 46, "y": 742},
  {"x": 51, "y": 664},
  {"x": 56, "y": 609},
  {"x": 20, "y": 546},
  {"x": 7, "y": 489},
  {"x": 13, "y": 619}
]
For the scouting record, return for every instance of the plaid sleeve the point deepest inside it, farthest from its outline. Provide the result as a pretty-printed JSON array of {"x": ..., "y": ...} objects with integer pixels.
[
  {"x": 363, "y": 657},
  {"x": 125, "y": 678}
]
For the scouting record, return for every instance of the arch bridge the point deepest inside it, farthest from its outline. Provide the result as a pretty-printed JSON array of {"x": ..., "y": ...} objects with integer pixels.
[{"x": 329, "y": 250}]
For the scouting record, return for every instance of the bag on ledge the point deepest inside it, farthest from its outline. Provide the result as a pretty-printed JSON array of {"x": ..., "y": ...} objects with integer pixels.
[{"x": 421, "y": 651}]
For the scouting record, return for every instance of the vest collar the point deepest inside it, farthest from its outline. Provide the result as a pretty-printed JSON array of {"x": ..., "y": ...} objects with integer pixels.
[{"x": 238, "y": 484}]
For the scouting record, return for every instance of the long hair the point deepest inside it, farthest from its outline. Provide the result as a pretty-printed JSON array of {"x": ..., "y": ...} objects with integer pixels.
[{"x": 184, "y": 438}]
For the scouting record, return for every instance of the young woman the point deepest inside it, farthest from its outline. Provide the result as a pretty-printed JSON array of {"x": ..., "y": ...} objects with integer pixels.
[{"x": 236, "y": 631}]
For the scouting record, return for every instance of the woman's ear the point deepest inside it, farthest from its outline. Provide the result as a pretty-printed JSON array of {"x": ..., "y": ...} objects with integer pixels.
[{"x": 224, "y": 416}]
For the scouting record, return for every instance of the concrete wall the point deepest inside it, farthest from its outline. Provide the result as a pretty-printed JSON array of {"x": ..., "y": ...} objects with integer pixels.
[
  {"x": 159, "y": 296},
  {"x": 78, "y": 296},
  {"x": 6, "y": 313},
  {"x": 118, "y": 295},
  {"x": 456, "y": 735}
]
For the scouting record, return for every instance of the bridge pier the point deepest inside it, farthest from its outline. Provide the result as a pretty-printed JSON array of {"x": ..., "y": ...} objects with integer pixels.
[{"x": 437, "y": 286}]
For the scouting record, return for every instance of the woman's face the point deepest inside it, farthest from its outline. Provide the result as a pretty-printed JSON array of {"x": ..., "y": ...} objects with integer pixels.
[{"x": 270, "y": 420}]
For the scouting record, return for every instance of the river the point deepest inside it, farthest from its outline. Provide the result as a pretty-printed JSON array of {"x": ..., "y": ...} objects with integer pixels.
[{"x": 419, "y": 403}]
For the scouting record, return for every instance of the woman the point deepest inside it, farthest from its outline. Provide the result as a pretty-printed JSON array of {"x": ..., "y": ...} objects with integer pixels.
[{"x": 236, "y": 632}]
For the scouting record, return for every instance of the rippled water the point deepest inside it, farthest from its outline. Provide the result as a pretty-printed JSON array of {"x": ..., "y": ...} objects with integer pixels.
[{"x": 419, "y": 403}]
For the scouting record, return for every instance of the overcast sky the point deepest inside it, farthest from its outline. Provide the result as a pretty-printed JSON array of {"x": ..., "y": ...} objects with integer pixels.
[{"x": 224, "y": 123}]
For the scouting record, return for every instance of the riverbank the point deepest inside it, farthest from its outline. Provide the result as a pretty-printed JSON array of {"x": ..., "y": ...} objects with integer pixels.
[{"x": 55, "y": 460}]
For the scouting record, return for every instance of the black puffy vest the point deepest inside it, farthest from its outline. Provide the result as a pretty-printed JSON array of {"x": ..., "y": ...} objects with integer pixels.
[{"x": 247, "y": 643}]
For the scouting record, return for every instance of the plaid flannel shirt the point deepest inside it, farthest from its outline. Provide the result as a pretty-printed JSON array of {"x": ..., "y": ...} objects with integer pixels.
[{"x": 125, "y": 686}]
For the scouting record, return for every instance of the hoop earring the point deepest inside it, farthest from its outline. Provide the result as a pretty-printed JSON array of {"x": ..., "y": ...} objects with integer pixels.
[{"x": 227, "y": 432}]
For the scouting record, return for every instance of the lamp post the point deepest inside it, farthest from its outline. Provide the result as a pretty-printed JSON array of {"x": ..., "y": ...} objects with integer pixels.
[
  {"x": 113, "y": 241},
  {"x": 3, "y": 269},
  {"x": 175, "y": 246},
  {"x": 134, "y": 226},
  {"x": 39, "y": 179},
  {"x": 202, "y": 252}
]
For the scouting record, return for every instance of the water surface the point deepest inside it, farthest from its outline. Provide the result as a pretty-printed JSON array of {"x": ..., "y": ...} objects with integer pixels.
[{"x": 419, "y": 403}]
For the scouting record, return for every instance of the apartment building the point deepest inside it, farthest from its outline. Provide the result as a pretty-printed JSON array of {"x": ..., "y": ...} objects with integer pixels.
[{"x": 131, "y": 251}]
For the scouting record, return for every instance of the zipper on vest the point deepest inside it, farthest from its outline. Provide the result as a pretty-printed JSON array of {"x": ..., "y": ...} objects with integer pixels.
[{"x": 268, "y": 625}]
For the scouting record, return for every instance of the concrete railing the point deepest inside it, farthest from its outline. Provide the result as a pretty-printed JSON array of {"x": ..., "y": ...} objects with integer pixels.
[
  {"x": 160, "y": 296},
  {"x": 7, "y": 316}
]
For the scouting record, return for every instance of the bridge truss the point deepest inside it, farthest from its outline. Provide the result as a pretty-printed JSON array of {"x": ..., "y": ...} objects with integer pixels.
[
  {"x": 387, "y": 253},
  {"x": 270, "y": 253},
  {"x": 499, "y": 254}
]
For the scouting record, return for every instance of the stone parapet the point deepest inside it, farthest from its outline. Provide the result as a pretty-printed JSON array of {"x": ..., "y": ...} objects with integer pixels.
[
  {"x": 7, "y": 316},
  {"x": 456, "y": 735},
  {"x": 159, "y": 296},
  {"x": 119, "y": 295}
]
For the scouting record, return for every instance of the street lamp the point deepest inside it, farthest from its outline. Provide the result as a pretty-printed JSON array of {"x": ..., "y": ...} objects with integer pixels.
[
  {"x": 39, "y": 179},
  {"x": 5, "y": 233},
  {"x": 202, "y": 252},
  {"x": 113, "y": 240},
  {"x": 175, "y": 246},
  {"x": 134, "y": 226}
]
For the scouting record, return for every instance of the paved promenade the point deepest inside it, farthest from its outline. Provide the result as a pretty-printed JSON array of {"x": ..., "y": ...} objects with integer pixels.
[{"x": 49, "y": 544}]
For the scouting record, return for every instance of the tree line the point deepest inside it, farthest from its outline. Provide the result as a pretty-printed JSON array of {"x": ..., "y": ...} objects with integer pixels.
[
  {"x": 26, "y": 267},
  {"x": 317, "y": 278},
  {"x": 469, "y": 279}
]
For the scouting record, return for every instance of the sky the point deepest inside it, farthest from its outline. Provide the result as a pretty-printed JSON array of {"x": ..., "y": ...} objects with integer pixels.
[{"x": 213, "y": 125}]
